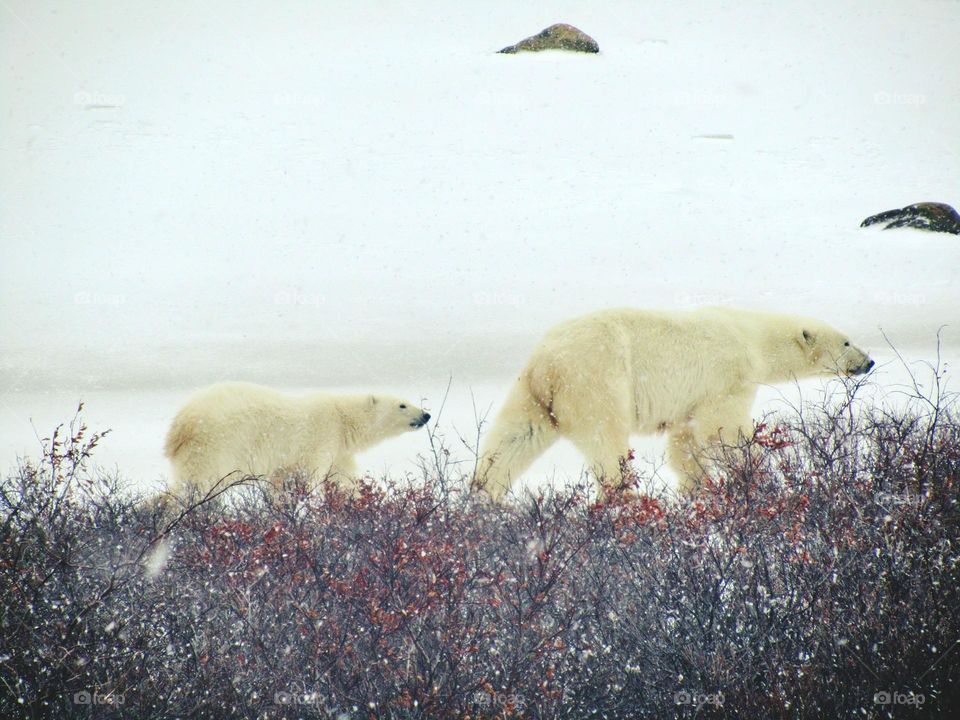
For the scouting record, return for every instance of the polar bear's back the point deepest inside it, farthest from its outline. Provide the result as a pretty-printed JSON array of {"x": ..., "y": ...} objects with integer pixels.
[
  {"x": 658, "y": 344},
  {"x": 645, "y": 329},
  {"x": 244, "y": 427},
  {"x": 241, "y": 407}
]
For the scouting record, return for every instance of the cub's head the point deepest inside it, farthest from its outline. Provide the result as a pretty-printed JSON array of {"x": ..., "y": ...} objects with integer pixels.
[
  {"x": 829, "y": 351},
  {"x": 393, "y": 415}
]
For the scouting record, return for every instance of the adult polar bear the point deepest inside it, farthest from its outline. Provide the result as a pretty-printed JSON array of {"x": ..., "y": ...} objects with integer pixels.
[
  {"x": 598, "y": 379},
  {"x": 247, "y": 429}
]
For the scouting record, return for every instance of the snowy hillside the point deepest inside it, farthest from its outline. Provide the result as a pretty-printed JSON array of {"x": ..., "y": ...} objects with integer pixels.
[{"x": 363, "y": 195}]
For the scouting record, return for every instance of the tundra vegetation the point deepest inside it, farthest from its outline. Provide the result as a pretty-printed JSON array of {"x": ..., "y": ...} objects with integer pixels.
[{"x": 816, "y": 574}]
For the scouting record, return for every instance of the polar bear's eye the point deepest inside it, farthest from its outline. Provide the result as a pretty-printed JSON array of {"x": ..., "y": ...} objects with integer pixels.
[
  {"x": 846, "y": 344},
  {"x": 403, "y": 407}
]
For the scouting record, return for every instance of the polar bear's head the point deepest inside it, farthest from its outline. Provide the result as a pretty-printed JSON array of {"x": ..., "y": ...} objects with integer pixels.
[
  {"x": 392, "y": 415},
  {"x": 829, "y": 351}
]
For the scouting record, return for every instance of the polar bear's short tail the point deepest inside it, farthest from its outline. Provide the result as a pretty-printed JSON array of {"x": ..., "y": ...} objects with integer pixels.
[
  {"x": 523, "y": 430},
  {"x": 179, "y": 436}
]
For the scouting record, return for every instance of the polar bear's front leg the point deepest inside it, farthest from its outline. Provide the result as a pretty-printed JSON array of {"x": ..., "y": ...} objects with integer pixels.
[
  {"x": 682, "y": 457},
  {"x": 605, "y": 446},
  {"x": 725, "y": 420},
  {"x": 343, "y": 472}
]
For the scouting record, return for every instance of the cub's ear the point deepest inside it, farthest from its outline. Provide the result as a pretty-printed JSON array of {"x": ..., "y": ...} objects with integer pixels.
[
  {"x": 808, "y": 338},
  {"x": 373, "y": 399}
]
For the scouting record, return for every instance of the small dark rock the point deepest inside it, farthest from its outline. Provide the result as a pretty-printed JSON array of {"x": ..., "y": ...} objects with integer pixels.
[
  {"x": 936, "y": 217},
  {"x": 556, "y": 37}
]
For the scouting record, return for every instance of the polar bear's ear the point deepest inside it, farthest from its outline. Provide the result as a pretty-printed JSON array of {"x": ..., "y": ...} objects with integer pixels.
[
  {"x": 372, "y": 399},
  {"x": 808, "y": 337}
]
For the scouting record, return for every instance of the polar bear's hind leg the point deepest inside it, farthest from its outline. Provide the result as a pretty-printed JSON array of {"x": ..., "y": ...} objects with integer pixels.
[
  {"x": 522, "y": 432},
  {"x": 605, "y": 445}
]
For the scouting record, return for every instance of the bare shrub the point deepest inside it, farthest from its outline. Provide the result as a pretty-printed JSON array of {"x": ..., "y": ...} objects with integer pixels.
[{"x": 815, "y": 575}]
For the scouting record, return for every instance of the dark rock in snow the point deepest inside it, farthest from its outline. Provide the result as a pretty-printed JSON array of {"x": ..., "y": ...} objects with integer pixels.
[
  {"x": 936, "y": 217},
  {"x": 556, "y": 37}
]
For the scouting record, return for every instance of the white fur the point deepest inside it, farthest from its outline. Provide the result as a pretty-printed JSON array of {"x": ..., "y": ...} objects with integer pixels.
[
  {"x": 245, "y": 429},
  {"x": 598, "y": 379}
]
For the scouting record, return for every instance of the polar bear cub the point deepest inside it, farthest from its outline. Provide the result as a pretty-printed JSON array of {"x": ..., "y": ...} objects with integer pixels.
[
  {"x": 693, "y": 375},
  {"x": 246, "y": 429}
]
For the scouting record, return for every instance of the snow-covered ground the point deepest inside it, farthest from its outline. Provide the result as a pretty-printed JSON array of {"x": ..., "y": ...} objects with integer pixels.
[{"x": 347, "y": 195}]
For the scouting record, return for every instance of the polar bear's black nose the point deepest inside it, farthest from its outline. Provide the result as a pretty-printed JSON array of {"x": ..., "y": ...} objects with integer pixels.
[
  {"x": 869, "y": 366},
  {"x": 420, "y": 421}
]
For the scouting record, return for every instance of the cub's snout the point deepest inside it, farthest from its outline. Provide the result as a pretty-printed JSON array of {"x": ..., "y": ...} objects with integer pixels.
[
  {"x": 420, "y": 421},
  {"x": 862, "y": 369}
]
